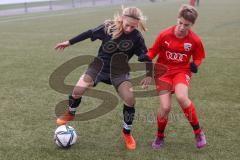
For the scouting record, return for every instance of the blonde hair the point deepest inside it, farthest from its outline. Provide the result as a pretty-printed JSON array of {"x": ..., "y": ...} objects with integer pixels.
[
  {"x": 115, "y": 27},
  {"x": 188, "y": 12}
]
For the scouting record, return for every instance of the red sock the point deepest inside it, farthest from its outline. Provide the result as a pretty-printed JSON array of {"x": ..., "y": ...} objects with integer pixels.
[
  {"x": 191, "y": 115},
  {"x": 161, "y": 122}
]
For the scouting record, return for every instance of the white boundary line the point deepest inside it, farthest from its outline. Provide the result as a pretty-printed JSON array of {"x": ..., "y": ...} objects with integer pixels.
[
  {"x": 15, "y": 19},
  {"x": 32, "y": 18}
]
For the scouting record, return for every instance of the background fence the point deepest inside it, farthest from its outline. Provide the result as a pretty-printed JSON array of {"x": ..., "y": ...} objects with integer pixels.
[{"x": 49, "y": 5}]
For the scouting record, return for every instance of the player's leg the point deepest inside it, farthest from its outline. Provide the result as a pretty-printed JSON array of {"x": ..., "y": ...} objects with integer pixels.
[
  {"x": 162, "y": 119},
  {"x": 125, "y": 91},
  {"x": 82, "y": 85},
  {"x": 74, "y": 100},
  {"x": 90, "y": 78},
  {"x": 126, "y": 94},
  {"x": 164, "y": 89},
  {"x": 181, "y": 82}
]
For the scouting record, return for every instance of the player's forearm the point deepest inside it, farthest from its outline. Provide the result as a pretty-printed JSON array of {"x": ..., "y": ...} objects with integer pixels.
[
  {"x": 81, "y": 37},
  {"x": 149, "y": 69},
  {"x": 154, "y": 50},
  {"x": 149, "y": 66}
]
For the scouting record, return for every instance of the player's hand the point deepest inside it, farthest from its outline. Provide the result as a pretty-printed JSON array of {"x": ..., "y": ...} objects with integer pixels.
[
  {"x": 144, "y": 58},
  {"x": 145, "y": 82},
  {"x": 61, "y": 46},
  {"x": 193, "y": 67}
]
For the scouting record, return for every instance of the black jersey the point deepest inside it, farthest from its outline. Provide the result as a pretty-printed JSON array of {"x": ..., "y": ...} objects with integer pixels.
[{"x": 115, "y": 53}]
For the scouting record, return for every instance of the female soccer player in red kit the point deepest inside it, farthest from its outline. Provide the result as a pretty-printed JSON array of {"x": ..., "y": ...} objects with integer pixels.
[{"x": 175, "y": 46}]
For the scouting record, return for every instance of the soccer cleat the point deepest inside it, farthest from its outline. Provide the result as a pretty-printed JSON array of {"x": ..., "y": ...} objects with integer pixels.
[
  {"x": 65, "y": 118},
  {"x": 200, "y": 140},
  {"x": 158, "y": 143},
  {"x": 129, "y": 141}
]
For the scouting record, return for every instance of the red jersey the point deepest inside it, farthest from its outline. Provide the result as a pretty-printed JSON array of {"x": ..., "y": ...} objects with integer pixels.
[{"x": 175, "y": 52}]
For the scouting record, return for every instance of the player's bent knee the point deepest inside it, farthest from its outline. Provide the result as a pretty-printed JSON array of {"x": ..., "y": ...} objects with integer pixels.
[
  {"x": 184, "y": 101},
  {"x": 165, "y": 109},
  {"x": 85, "y": 81},
  {"x": 181, "y": 98},
  {"x": 83, "y": 84}
]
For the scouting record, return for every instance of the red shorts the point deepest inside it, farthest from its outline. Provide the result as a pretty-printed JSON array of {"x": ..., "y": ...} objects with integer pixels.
[{"x": 168, "y": 81}]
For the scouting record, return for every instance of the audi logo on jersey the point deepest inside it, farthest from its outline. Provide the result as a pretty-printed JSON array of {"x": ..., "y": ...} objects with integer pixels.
[{"x": 175, "y": 56}]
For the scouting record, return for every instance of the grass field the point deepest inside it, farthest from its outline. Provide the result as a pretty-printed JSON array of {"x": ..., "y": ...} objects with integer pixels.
[{"x": 27, "y": 102}]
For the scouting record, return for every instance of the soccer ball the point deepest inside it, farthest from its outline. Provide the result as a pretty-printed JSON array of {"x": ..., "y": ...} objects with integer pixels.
[{"x": 65, "y": 136}]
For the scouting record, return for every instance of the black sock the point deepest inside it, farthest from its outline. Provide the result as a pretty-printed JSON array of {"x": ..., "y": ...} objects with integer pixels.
[
  {"x": 128, "y": 116},
  {"x": 73, "y": 104}
]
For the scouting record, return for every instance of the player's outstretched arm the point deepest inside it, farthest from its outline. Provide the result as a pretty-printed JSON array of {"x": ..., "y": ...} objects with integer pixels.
[{"x": 61, "y": 46}]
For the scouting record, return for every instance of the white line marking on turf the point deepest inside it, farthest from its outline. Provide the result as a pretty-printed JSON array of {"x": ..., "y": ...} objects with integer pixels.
[
  {"x": 14, "y": 19},
  {"x": 33, "y": 18}
]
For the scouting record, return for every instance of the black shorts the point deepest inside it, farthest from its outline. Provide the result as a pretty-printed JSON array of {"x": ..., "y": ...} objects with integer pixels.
[{"x": 107, "y": 78}]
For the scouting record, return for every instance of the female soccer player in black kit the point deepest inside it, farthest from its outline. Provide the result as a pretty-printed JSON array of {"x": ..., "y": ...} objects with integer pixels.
[{"x": 121, "y": 39}]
